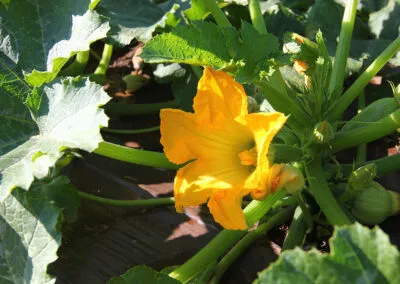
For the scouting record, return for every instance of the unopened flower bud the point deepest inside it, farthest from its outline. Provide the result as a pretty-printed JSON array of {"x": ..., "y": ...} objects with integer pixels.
[
  {"x": 281, "y": 176},
  {"x": 362, "y": 177},
  {"x": 323, "y": 132}
]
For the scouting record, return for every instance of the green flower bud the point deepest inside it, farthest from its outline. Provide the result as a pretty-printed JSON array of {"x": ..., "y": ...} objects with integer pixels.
[
  {"x": 374, "y": 204},
  {"x": 362, "y": 177},
  {"x": 323, "y": 132}
]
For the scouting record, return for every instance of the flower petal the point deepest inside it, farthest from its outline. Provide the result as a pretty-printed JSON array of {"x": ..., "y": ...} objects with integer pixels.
[
  {"x": 195, "y": 182},
  {"x": 219, "y": 98},
  {"x": 264, "y": 126},
  {"x": 226, "y": 209},
  {"x": 184, "y": 138},
  {"x": 175, "y": 135}
]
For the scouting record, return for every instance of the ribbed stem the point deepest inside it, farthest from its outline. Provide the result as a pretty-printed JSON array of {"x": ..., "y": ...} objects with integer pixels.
[
  {"x": 129, "y": 203},
  {"x": 279, "y": 218},
  {"x": 373, "y": 131},
  {"x": 257, "y": 17},
  {"x": 344, "y": 101},
  {"x": 297, "y": 231},
  {"x": 117, "y": 109},
  {"x": 320, "y": 190},
  {"x": 130, "y": 131},
  {"x": 342, "y": 51},
  {"x": 224, "y": 240},
  {"x": 135, "y": 156},
  {"x": 217, "y": 13},
  {"x": 105, "y": 60}
]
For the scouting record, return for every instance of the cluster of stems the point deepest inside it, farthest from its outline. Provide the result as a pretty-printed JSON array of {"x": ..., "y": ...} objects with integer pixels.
[{"x": 314, "y": 167}]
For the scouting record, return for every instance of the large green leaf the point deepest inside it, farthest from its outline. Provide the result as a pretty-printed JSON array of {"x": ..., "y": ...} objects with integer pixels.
[
  {"x": 359, "y": 255},
  {"x": 43, "y": 35},
  {"x": 29, "y": 233},
  {"x": 68, "y": 117},
  {"x": 133, "y": 19},
  {"x": 143, "y": 275},
  {"x": 210, "y": 45},
  {"x": 327, "y": 15},
  {"x": 16, "y": 124},
  {"x": 385, "y": 23}
]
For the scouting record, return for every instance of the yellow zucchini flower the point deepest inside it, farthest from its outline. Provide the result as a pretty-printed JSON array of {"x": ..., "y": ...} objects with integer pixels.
[{"x": 227, "y": 149}]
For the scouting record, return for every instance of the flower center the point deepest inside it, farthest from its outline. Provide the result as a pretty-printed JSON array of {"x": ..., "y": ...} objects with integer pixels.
[{"x": 248, "y": 157}]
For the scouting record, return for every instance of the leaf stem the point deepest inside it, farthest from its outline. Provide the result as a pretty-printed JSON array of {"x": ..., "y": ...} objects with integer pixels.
[
  {"x": 135, "y": 156},
  {"x": 77, "y": 67},
  {"x": 344, "y": 101},
  {"x": 320, "y": 189},
  {"x": 217, "y": 13},
  {"x": 131, "y": 131},
  {"x": 384, "y": 165},
  {"x": 224, "y": 240},
  {"x": 280, "y": 217},
  {"x": 371, "y": 132},
  {"x": 118, "y": 109},
  {"x": 361, "y": 155},
  {"x": 297, "y": 231},
  {"x": 256, "y": 17},
  {"x": 105, "y": 60},
  {"x": 342, "y": 51},
  {"x": 129, "y": 203}
]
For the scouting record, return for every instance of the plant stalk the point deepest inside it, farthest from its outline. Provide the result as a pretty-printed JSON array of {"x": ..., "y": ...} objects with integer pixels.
[
  {"x": 105, "y": 60},
  {"x": 217, "y": 13},
  {"x": 320, "y": 189},
  {"x": 130, "y": 131},
  {"x": 257, "y": 17},
  {"x": 77, "y": 67},
  {"x": 342, "y": 51},
  {"x": 280, "y": 217},
  {"x": 224, "y": 240},
  {"x": 297, "y": 231},
  {"x": 117, "y": 109},
  {"x": 373, "y": 131},
  {"x": 361, "y": 155},
  {"x": 129, "y": 203},
  {"x": 135, "y": 156},
  {"x": 344, "y": 101},
  {"x": 384, "y": 165}
]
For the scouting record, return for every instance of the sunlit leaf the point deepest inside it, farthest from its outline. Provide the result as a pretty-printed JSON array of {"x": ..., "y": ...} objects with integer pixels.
[
  {"x": 358, "y": 255},
  {"x": 68, "y": 117},
  {"x": 43, "y": 35}
]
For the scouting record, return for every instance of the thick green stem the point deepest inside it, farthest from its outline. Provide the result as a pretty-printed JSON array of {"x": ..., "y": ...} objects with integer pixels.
[
  {"x": 297, "y": 231},
  {"x": 257, "y": 17},
  {"x": 342, "y": 51},
  {"x": 135, "y": 156},
  {"x": 320, "y": 189},
  {"x": 117, "y": 109},
  {"x": 131, "y": 131},
  {"x": 105, "y": 60},
  {"x": 217, "y": 13},
  {"x": 224, "y": 240},
  {"x": 343, "y": 102},
  {"x": 361, "y": 155},
  {"x": 77, "y": 67},
  {"x": 279, "y": 218},
  {"x": 350, "y": 138},
  {"x": 383, "y": 165},
  {"x": 129, "y": 203}
]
